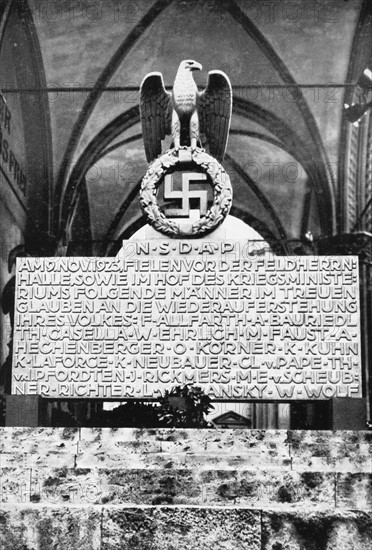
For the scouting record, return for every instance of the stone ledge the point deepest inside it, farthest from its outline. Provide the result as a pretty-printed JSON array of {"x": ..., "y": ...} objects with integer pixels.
[
  {"x": 87, "y": 486},
  {"x": 185, "y": 486},
  {"x": 316, "y": 530},
  {"x": 47, "y": 528},
  {"x": 182, "y": 528},
  {"x": 29, "y": 440},
  {"x": 207, "y": 461},
  {"x": 343, "y": 451},
  {"x": 354, "y": 490},
  {"x": 318, "y": 451},
  {"x": 127, "y": 528}
]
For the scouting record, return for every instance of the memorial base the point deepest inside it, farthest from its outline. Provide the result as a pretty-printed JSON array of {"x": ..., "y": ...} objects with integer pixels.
[
  {"x": 349, "y": 414},
  {"x": 25, "y": 410},
  {"x": 196, "y": 489}
]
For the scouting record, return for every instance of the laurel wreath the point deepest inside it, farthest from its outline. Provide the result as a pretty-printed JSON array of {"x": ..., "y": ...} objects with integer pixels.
[{"x": 222, "y": 194}]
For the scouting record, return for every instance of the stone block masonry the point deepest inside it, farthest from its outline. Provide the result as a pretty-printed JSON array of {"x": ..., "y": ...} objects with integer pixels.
[{"x": 170, "y": 489}]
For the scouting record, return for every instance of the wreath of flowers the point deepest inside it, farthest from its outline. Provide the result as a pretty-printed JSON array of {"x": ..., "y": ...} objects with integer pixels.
[{"x": 222, "y": 194}]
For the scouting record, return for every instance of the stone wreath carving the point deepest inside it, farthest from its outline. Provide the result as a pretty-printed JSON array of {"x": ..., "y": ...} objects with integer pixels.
[{"x": 222, "y": 194}]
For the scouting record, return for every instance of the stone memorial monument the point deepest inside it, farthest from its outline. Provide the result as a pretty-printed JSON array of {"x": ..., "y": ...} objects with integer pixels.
[{"x": 186, "y": 304}]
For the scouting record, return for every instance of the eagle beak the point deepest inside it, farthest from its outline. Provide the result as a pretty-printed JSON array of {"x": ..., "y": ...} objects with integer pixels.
[{"x": 196, "y": 67}]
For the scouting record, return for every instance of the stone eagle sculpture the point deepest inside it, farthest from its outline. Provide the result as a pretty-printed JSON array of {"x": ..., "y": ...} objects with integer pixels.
[{"x": 186, "y": 113}]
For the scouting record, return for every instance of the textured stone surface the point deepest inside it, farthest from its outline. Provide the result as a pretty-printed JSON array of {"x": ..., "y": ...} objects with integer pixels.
[
  {"x": 219, "y": 449},
  {"x": 52, "y": 447},
  {"x": 176, "y": 527},
  {"x": 183, "y": 486},
  {"x": 32, "y": 440},
  {"x": 153, "y": 487},
  {"x": 344, "y": 451},
  {"x": 354, "y": 491},
  {"x": 181, "y": 529},
  {"x": 247, "y": 488},
  {"x": 230, "y": 461},
  {"x": 15, "y": 485},
  {"x": 65, "y": 486},
  {"x": 42, "y": 528},
  {"x": 316, "y": 530},
  {"x": 130, "y": 454},
  {"x": 131, "y": 458},
  {"x": 114, "y": 436},
  {"x": 172, "y": 489},
  {"x": 208, "y": 449}
]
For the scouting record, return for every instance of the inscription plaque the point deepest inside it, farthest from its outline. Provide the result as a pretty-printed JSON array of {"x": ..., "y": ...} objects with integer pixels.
[{"x": 170, "y": 312}]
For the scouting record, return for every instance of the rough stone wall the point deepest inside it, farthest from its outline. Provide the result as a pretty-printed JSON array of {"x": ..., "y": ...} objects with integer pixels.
[{"x": 183, "y": 489}]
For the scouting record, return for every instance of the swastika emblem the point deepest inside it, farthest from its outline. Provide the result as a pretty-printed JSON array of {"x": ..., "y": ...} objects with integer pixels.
[
  {"x": 185, "y": 194},
  {"x": 170, "y": 170}
]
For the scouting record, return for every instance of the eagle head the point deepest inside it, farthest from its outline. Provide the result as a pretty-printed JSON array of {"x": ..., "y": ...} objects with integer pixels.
[{"x": 190, "y": 65}]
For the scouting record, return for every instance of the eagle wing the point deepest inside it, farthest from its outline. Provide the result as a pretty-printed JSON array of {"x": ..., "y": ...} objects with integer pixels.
[
  {"x": 214, "y": 109},
  {"x": 155, "y": 113}
]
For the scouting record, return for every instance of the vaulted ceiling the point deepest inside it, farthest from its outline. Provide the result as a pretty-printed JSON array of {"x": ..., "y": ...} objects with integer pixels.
[{"x": 287, "y": 61}]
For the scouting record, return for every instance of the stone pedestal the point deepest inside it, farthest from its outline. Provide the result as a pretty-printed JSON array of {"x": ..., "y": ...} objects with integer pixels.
[
  {"x": 349, "y": 414},
  {"x": 23, "y": 410},
  {"x": 188, "y": 489}
]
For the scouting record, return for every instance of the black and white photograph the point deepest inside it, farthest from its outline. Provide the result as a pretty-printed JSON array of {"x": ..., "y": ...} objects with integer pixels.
[{"x": 185, "y": 274}]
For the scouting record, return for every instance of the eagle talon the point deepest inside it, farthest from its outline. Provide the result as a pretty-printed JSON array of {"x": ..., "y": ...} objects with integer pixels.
[{"x": 173, "y": 151}]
